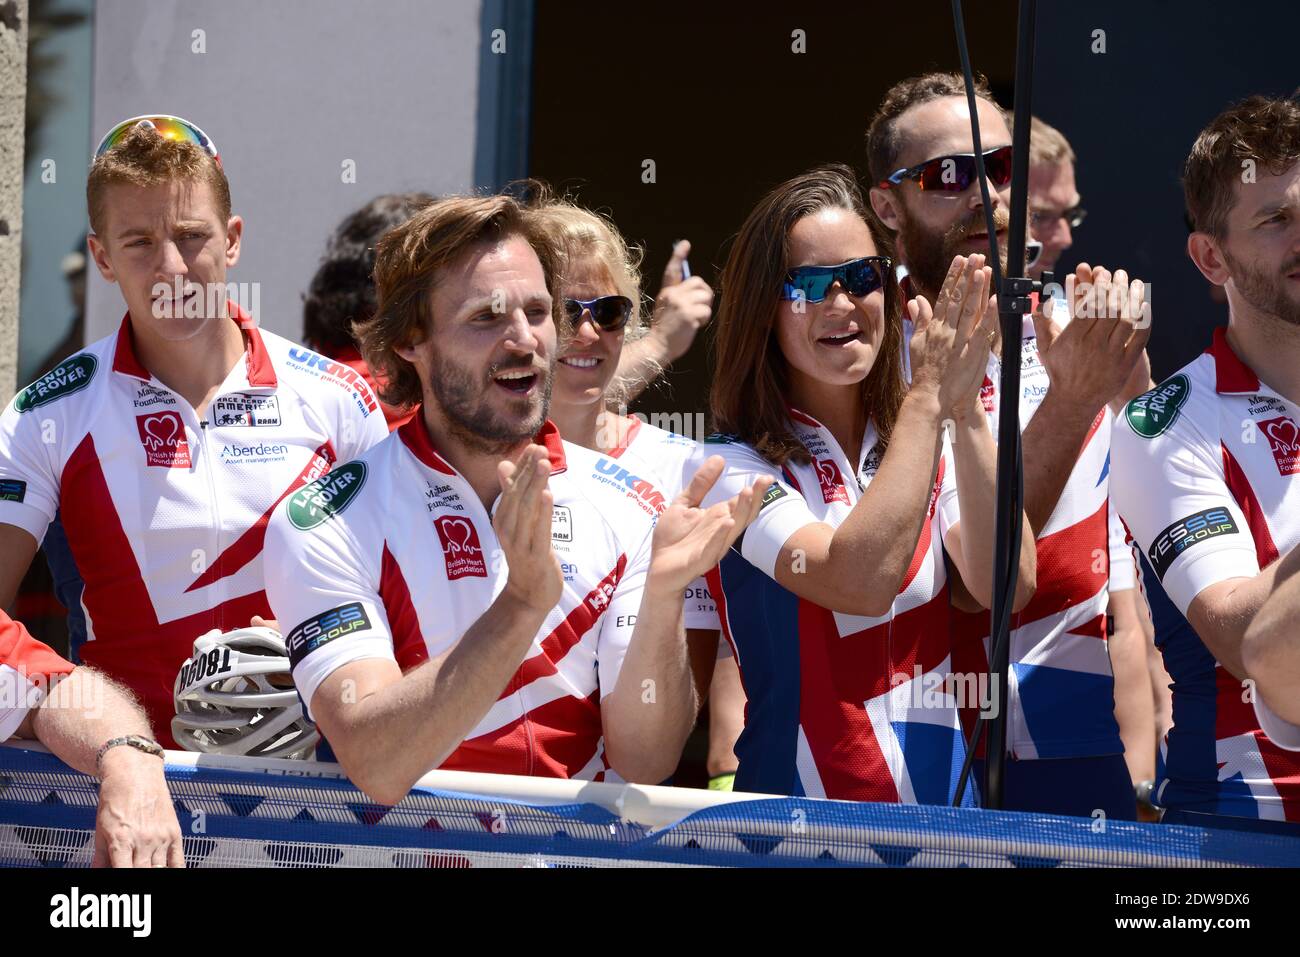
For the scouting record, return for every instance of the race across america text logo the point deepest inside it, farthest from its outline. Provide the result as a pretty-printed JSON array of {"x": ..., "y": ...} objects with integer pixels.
[
  {"x": 460, "y": 547},
  {"x": 163, "y": 436}
]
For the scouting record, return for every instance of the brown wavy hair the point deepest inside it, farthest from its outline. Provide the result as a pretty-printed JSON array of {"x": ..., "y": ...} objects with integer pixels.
[
  {"x": 750, "y": 373},
  {"x": 407, "y": 263},
  {"x": 1263, "y": 130}
]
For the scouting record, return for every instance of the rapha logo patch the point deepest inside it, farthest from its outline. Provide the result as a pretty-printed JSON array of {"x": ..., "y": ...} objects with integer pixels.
[
  {"x": 163, "y": 436},
  {"x": 832, "y": 482},
  {"x": 1284, "y": 440},
  {"x": 987, "y": 394},
  {"x": 460, "y": 547}
]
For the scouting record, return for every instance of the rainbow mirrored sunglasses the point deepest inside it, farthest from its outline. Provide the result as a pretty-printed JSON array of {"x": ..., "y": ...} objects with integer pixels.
[{"x": 169, "y": 127}]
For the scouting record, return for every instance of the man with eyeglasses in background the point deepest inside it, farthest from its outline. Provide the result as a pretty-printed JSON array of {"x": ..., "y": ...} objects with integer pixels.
[
  {"x": 1055, "y": 207},
  {"x": 1143, "y": 705},
  {"x": 927, "y": 194}
]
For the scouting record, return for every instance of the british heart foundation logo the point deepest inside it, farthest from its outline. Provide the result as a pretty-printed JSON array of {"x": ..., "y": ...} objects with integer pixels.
[
  {"x": 460, "y": 547},
  {"x": 1284, "y": 439},
  {"x": 832, "y": 482},
  {"x": 163, "y": 436}
]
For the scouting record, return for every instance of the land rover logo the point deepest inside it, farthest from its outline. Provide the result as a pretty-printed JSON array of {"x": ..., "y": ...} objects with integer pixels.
[
  {"x": 1152, "y": 413},
  {"x": 67, "y": 377},
  {"x": 319, "y": 501}
]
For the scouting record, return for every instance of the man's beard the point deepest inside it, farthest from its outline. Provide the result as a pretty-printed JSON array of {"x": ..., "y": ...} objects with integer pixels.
[
  {"x": 929, "y": 256},
  {"x": 471, "y": 418},
  {"x": 1266, "y": 293}
]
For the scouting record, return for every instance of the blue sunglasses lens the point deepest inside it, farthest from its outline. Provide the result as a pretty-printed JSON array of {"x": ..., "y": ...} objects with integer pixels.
[{"x": 859, "y": 277}]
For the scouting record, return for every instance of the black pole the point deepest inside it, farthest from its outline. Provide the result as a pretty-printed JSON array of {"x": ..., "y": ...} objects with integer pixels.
[{"x": 1013, "y": 303}]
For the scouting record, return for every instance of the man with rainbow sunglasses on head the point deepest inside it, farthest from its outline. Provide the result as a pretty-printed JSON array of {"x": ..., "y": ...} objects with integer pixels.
[{"x": 164, "y": 447}]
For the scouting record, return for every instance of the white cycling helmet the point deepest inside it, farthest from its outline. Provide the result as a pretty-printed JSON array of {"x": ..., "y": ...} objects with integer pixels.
[{"x": 235, "y": 695}]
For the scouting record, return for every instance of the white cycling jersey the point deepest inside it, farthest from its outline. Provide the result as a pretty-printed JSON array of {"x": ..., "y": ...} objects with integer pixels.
[
  {"x": 165, "y": 511},
  {"x": 393, "y": 556},
  {"x": 1207, "y": 477},
  {"x": 651, "y": 468}
]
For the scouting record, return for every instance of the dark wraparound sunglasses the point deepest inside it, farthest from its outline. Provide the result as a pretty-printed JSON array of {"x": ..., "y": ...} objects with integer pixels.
[
  {"x": 609, "y": 313},
  {"x": 859, "y": 277},
  {"x": 954, "y": 174}
]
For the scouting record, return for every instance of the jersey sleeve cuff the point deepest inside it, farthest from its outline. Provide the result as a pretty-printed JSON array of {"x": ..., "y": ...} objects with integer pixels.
[
  {"x": 1282, "y": 733},
  {"x": 310, "y": 675},
  {"x": 768, "y": 533},
  {"x": 10, "y": 719},
  {"x": 1123, "y": 576},
  {"x": 1199, "y": 572},
  {"x": 30, "y": 519}
]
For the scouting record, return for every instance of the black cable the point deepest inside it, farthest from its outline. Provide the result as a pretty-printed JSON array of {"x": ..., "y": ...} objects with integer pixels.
[{"x": 1009, "y": 523}]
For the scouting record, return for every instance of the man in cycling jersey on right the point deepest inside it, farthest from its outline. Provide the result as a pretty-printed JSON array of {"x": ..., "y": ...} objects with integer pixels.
[{"x": 1206, "y": 464}]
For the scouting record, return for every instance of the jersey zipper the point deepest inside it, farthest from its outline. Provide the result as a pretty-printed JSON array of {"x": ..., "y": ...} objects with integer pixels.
[{"x": 206, "y": 464}]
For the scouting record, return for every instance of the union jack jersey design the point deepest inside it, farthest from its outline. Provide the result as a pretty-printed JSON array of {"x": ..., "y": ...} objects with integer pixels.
[
  {"x": 26, "y": 667},
  {"x": 165, "y": 512},
  {"x": 1061, "y": 689},
  {"x": 393, "y": 556},
  {"x": 840, "y": 706},
  {"x": 1206, "y": 479}
]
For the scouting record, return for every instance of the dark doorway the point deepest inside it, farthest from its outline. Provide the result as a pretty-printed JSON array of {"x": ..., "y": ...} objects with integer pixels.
[{"x": 715, "y": 95}]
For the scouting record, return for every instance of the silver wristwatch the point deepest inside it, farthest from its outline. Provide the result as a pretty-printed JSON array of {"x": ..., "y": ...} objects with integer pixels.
[{"x": 137, "y": 741}]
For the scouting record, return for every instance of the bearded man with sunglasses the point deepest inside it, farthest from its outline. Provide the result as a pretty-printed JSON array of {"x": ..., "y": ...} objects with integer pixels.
[
  {"x": 164, "y": 447},
  {"x": 1067, "y": 756}
]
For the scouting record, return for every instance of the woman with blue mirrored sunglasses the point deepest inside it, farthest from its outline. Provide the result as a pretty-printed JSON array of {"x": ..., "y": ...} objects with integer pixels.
[
  {"x": 838, "y": 596},
  {"x": 859, "y": 277}
]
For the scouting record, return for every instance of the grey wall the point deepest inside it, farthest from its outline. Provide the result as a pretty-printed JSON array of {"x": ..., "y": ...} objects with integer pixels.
[
  {"x": 13, "y": 84},
  {"x": 54, "y": 189},
  {"x": 288, "y": 90}
]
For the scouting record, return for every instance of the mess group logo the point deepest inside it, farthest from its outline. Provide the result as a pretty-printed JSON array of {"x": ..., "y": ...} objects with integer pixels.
[
  {"x": 1186, "y": 532},
  {"x": 324, "y": 628}
]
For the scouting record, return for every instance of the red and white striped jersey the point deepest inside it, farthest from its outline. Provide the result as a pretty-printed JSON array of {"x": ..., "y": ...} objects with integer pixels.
[
  {"x": 1207, "y": 477},
  {"x": 1061, "y": 689},
  {"x": 393, "y": 556},
  {"x": 165, "y": 511},
  {"x": 26, "y": 668}
]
